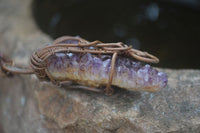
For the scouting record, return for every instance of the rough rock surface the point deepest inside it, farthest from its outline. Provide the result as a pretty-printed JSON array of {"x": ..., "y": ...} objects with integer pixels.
[{"x": 27, "y": 105}]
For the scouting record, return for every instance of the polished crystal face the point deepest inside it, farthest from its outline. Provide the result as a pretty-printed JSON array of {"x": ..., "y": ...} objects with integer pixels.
[{"x": 93, "y": 70}]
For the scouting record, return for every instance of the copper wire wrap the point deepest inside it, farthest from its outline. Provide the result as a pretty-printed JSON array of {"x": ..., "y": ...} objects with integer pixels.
[
  {"x": 65, "y": 44},
  {"x": 38, "y": 59}
]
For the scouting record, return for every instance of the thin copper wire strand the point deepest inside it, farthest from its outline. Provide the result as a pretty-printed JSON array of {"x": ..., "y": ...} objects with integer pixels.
[
  {"x": 95, "y": 44},
  {"x": 35, "y": 67},
  {"x": 145, "y": 54},
  {"x": 35, "y": 61},
  {"x": 36, "y": 58},
  {"x": 34, "y": 64},
  {"x": 46, "y": 53},
  {"x": 118, "y": 49},
  {"x": 16, "y": 70},
  {"x": 64, "y": 38},
  {"x": 153, "y": 59},
  {"x": 108, "y": 88},
  {"x": 109, "y": 45}
]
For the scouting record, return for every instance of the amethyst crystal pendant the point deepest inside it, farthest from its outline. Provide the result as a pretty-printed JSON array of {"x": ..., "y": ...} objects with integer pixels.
[{"x": 93, "y": 70}]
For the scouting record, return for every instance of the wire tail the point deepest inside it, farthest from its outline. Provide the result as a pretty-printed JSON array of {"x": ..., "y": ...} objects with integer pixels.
[{"x": 8, "y": 69}]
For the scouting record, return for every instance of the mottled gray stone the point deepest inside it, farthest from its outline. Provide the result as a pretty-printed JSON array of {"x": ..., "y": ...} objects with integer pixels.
[{"x": 27, "y": 105}]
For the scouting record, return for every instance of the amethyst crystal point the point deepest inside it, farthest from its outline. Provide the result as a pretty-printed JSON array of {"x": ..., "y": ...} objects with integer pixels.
[
  {"x": 163, "y": 78},
  {"x": 93, "y": 70}
]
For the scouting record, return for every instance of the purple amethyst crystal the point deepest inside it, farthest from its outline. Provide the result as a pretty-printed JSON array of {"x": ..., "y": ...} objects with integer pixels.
[{"x": 93, "y": 70}]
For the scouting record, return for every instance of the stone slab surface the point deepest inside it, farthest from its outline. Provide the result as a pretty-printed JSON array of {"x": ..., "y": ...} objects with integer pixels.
[{"x": 27, "y": 105}]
